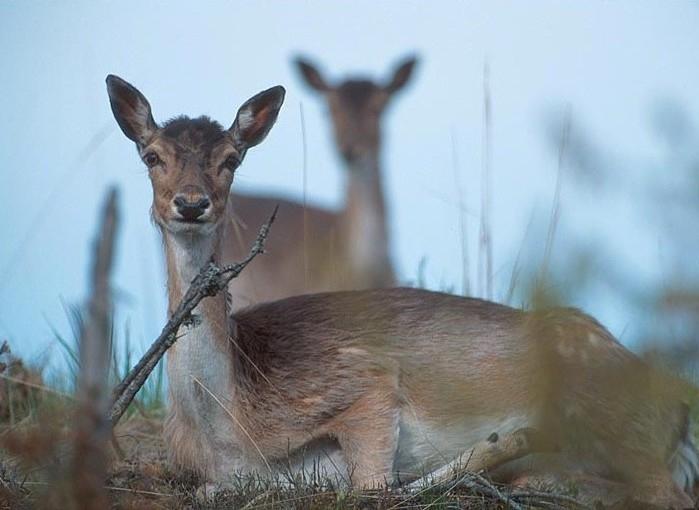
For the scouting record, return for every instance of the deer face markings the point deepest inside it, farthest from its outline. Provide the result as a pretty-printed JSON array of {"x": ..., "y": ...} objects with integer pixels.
[{"x": 191, "y": 162}]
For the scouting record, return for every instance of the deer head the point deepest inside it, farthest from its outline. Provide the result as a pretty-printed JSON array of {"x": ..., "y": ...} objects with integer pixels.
[
  {"x": 191, "y": 162},
  {"x": 356, "y": 106}
]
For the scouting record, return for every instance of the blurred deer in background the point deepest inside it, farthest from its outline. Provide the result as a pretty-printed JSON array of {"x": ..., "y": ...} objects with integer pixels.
[
  {"x": 380, "y": 386},
  {"x": 313, "y": 249}
]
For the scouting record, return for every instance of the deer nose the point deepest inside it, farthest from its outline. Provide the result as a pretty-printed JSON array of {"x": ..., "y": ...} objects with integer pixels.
[
  {"x": 349, "y": 154},
  {"x": 191, "y": 210}
]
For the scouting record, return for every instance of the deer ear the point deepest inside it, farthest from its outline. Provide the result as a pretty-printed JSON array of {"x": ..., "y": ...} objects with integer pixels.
[
  {"x": 256, "y": 117},
  {"x": 311, "y": 75},
  {"x": 131, "y": 110},
  {"x": 401, "y": 75}
]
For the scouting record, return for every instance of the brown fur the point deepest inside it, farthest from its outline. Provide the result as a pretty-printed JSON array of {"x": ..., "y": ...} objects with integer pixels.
[{"x": 343, "y": 364}]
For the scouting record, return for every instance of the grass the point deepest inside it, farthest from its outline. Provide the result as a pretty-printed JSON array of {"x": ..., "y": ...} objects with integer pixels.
[
  {"x": 140, "y": 477},
  {"x": 38, "y": 423},
  {"x": 151, "y": 397},
  {"x": 36, "y": 426}
]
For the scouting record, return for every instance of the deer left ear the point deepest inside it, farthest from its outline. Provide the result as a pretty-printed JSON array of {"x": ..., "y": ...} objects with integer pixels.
[
  {"x": 256, "y": 117},
  {"x": 131, "y": 110},
  {"x": 401, "y": 75}
]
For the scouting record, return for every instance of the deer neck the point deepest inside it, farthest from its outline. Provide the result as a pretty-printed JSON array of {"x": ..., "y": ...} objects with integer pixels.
[
  {"x": 364, "y": 222},
  {"x": 203, "y": 350}
]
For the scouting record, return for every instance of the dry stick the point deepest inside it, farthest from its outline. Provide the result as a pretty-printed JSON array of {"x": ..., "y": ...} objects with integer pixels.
[
  {"x": 475, "y": 481},
  {"x": 515, "y": 499},
  {"x": 112, "y": 488},
  {"x": 92, "y": 429},
  {"x": 210, "y": 280},
  {"x": 537, "y": 496}
]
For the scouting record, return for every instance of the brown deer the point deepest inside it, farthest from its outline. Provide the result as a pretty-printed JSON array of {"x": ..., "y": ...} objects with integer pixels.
[
  {"x": 314, "y": 249},
  {"x": 380, "y": 386}
]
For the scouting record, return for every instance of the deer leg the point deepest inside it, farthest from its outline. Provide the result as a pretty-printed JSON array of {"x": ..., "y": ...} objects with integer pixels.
[
  {"x": 368, "y": 436},
  {"x": 489, "y": 454}
]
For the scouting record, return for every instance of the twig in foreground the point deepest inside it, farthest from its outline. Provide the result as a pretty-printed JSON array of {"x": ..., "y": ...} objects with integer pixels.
[
  {"x": 91, "y": 426},
  {"x": 210, "y": 280}
]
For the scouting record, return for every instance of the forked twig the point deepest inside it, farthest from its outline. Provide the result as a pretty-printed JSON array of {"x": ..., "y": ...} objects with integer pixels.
[{"x": 210, "y": 280}]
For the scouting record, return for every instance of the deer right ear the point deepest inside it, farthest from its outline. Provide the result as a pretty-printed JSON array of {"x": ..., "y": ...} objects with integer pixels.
[
  {"x": 401, "y": 75},
  {"x": 311, "y": 75},
  {"x": 131, "y": 110},
  {"x": 256, "y": 117}
]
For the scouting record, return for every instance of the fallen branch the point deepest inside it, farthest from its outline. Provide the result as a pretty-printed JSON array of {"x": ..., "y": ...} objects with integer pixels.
[
  {"x": 533, "y": 496},
  {"x": 210, "y": 281}
]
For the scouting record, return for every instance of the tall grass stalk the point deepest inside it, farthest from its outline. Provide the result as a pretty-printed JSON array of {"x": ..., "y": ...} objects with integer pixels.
[
  {"x": 150, "y": 398},
  {"x": 463, "y": 226},
  {"x": 485, "y": 252}
]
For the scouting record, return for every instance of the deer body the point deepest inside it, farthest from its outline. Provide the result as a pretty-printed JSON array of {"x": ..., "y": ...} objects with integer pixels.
[
  {"x": 314, "y": 249},
  {"x": 311, "y": 249},
  {"x": 383, "y": 385},
  {"x": 372, "y": 387}
]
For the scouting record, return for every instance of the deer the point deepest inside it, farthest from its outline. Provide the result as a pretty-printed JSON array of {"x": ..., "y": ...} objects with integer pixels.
[
  {"x": 347, "y": 249},
  {"x": 381, "y": 386}
]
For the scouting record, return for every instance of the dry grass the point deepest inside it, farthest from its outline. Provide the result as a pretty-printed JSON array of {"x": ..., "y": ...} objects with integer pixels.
[{"x": 35, "y": 457}]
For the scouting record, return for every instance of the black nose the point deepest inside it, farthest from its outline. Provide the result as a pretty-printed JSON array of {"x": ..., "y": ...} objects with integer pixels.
[
  {"x": 190, "y": 211},
  {"x": 349, "y": 155}
]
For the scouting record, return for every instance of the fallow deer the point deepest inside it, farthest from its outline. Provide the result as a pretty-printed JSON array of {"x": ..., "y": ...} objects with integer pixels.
[
  {"x": 379, "y": 386},
  {"x": 314, "y": 249}
]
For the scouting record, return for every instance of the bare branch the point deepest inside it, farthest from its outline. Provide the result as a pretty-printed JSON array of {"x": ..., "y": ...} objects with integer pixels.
[
  {"x": 210, "y": 280},
  {"x": 92, "y": 428}
]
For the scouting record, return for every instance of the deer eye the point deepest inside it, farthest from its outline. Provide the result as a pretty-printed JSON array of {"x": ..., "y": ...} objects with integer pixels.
[
  {"x": 151, "y": 159},
  {"x": 231, "y": 163}
]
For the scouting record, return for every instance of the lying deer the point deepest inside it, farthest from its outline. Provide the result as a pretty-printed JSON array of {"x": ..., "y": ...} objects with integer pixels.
[
  {"x": 380, "y": 386},
  {"x": 313, "y": 249}
]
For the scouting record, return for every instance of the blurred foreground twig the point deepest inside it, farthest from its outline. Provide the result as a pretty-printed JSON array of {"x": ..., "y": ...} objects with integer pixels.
[{"x": 91, "y": 426}]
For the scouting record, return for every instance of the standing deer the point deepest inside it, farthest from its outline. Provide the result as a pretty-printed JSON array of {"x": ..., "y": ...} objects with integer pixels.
[
  {"x": 314, "y": 249},
  {"x": 379, "y": 386}
]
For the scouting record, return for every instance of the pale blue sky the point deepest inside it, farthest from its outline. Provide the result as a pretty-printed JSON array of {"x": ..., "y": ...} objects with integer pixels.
[{"x": 610, "y": 61}]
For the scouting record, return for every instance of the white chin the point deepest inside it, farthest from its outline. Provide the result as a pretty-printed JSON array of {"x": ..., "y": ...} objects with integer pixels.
[{"x": 179, "y": 227}]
